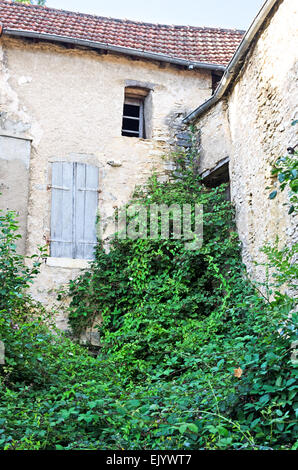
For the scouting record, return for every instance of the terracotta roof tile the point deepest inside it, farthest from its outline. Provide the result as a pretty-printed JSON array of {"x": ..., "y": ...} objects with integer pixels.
[{"x": 194, "y": 44}]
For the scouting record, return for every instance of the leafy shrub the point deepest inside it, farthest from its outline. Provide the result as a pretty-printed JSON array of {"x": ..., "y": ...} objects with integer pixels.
[
  {"x": 15, "y": 275},
  {"x": 179, "y": 321},
  {"x": 285, "y": 168},
  {"x": 193, "y": 356}
]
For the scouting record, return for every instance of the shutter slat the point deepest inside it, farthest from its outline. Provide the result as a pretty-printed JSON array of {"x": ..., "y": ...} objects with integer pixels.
[
  {"x": 80, "y": 209},
  {"x": 56, "y": 212},
  {"x": 67, "y": 201},
  {"x": 62, "y": 210},
  {"x": 86, "y": 210},
  {"x": 90, "y": 211}
]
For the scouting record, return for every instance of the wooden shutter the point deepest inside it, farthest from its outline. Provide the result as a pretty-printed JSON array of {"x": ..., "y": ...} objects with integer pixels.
[
  {"x": 74, "y": 210},
  {"x": 86, "y": 202},
  {"x": 62, "y": 245}
]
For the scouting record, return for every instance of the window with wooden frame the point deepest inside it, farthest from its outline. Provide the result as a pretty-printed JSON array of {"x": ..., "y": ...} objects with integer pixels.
[
  {"x": 133, "y": 117},
  {"x": 74, "y": 210},
  {"x": 137, "y": 110}
]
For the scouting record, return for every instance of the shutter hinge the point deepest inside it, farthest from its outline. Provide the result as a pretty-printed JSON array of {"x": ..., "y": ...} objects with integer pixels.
[
  {"x": 50, "y": 186},
  {"x": 88, "y": 189}
]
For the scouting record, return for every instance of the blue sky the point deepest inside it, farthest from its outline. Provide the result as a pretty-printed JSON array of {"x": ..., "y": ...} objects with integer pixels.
[{"x": 225, "y": 13}]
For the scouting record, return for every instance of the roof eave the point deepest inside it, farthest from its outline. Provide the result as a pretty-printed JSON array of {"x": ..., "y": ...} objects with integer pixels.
[
  {"x": 235, "y": 64},
  {"x": 116, "y": 49}
]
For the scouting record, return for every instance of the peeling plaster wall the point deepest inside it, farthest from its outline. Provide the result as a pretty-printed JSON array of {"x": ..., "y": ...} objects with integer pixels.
[
  {"x": 14, "y": 181},
  {"x": 262, "y": 106},
  {"x": 70, "y": 103},
  {"x": 253, "y": 127},
  {"x": 214, "y": 137}
]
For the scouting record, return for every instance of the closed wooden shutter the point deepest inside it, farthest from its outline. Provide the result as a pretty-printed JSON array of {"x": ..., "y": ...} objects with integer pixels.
[
  {"x": 86, "y": 200},
  {"x": 74, "y": 210},
  {"x": 62, "y": 245}
]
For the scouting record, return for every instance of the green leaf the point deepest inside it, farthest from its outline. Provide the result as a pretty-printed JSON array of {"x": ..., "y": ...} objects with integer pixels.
[
  {"x": 281, "y": 177},
  {"x": 254, "y": 423},
  {"x": 291, "y": 210},
  {"x": 278, "y": 381},
  {"x": 264, "y": 399},
  {"x": 183, "y": 428},
  {"x": 273, "y": 194},
  {"x": 192, "y": 427},
  {"x": 223, "y": 431}
]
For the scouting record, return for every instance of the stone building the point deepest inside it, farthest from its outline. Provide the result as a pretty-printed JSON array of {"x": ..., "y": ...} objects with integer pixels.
[
  {"x": 89, "y": 106},
  {"x": 246, "y": 126}
]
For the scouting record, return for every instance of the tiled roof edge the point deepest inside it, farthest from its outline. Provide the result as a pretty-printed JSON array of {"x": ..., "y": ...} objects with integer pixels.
[
  {"x": 236, "y": 63},
  {"x": 120, "y": 49},
  {"x": 122, "y": 20}
]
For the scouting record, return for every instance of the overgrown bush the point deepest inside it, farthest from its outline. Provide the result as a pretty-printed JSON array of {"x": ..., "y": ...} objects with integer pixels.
[
  {"x": 15, "y": 275},
  {"x": 180, "y": 321},
  {"x": 193, "y": 355},
  {"x": 285, "y": 169}
]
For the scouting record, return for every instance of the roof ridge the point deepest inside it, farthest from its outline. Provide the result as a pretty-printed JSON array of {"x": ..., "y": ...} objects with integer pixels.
[
  {"x": 202, "y": 45},
  {"x": 120, "y": 20}
]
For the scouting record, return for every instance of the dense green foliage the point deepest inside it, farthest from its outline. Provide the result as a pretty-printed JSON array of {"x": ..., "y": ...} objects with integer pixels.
[
  {"x": 193, "y": 356},
  {"x": 15, "y": 276},
  {"x": 285, "y": 169}
]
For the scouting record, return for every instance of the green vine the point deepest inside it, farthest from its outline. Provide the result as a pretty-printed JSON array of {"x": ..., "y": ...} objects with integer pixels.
[
  {"x": 193, "y": 356},
  {"x": 286, "y": 170}
]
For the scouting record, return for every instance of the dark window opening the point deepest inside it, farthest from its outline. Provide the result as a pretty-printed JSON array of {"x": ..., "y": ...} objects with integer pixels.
[
  {"x": 217, "y": 176},
  {"x": 132, "y": 110},
  {"x": 131, "y": 124},
  {"x": 216, "y": 78},
  {"x": 133, "y": 117}
]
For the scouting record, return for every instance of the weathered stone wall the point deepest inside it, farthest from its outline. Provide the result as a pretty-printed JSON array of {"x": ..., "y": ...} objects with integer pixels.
[
  {"x": 214, "y": 137},
  {"x": 14, "y": 180},
  {"x": 253, "y": 127},
  {"x": 69, "y": 102}
]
